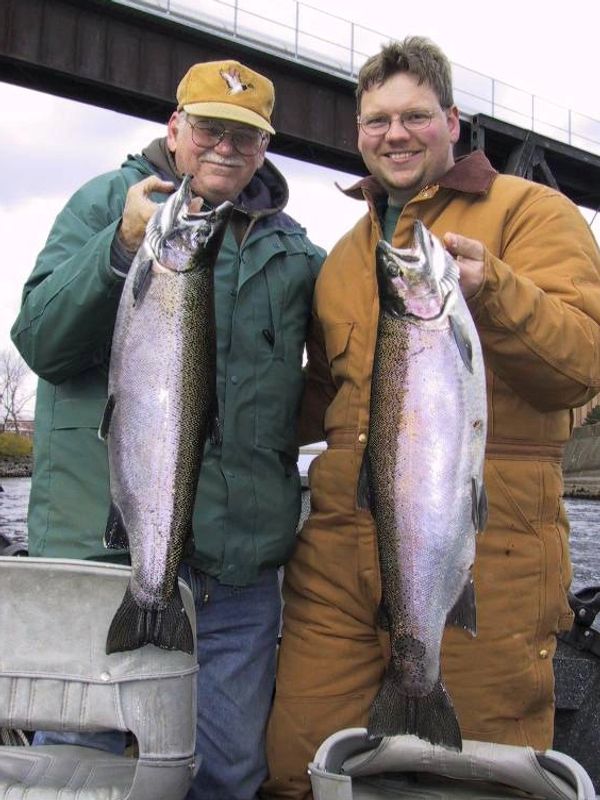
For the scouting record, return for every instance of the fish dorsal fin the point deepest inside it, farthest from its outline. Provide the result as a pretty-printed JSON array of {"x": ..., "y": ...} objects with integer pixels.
[
  {"x": 106, "y": 418},
  {"x": 463, "y": 614},
  {"x": 463, "y": 341}
]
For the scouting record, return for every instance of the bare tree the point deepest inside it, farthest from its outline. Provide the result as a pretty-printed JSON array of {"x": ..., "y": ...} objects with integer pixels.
[{"x": 14, "y": 395}]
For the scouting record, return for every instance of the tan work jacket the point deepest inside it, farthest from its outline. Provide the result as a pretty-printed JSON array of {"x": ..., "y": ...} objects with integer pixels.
[{"x": 538, "y": 316}]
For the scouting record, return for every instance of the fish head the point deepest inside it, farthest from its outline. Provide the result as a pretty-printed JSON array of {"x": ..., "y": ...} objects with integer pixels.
[
  {"x": 415, "y": 282},
  {"x": 182, "y": 236}
]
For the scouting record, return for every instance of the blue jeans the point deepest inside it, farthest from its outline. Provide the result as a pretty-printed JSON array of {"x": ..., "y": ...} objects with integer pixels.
[{"x": 237, "y": 631}]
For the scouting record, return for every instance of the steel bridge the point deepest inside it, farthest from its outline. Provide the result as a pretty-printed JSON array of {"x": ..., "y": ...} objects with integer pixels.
[{"x": 129, "y": 58}]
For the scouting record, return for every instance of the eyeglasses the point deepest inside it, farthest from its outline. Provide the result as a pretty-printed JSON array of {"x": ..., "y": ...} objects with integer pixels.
[
  {"x": 380, "y": 124},
  {"x": 207, "y": 133}
]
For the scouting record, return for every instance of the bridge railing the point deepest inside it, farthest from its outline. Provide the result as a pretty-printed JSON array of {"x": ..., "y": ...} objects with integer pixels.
[{"x": 301, "y": 32}]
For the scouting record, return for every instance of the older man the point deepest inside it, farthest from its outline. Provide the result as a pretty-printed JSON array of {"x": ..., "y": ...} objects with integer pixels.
[
  {"x": 530, "y": 270},
  {"x": 248, "y": 496}
]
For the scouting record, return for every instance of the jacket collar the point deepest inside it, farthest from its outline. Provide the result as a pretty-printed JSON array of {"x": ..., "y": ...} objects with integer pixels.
[{"x": 472, "y": 174}]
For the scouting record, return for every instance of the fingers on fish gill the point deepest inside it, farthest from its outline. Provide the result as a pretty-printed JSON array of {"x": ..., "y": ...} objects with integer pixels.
[
  {"x": 134, "y": 626},
  {"x": 430, "y": 717}
]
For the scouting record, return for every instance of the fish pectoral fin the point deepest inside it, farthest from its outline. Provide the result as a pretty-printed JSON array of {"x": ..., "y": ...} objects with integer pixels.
[
  {"x": 115, "y": 535},
  {"x": 106, "y": 418},
  {"x": 463, "y": 341},
  {"x": 133, "y": 626},
  {"x": 364, "y": 496},
  {"x": 430, "y": 717},
  {"x": 142, "y": 279},
  {"x": 464, "y": 613}
]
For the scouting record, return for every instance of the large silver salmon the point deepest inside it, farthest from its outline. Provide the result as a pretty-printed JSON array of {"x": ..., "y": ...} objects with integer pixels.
[
  {"x": 162, "y": 406},
  {"x": 422, "y": 478}
]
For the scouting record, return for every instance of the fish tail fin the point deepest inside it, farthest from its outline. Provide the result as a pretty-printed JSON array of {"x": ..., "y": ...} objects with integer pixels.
[
  {"x": 134, "y": 626},
  {"x": 430, "y": 717}
]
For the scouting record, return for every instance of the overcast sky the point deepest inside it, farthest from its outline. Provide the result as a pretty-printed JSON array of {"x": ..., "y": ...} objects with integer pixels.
[{"x": 50, "y": 146}]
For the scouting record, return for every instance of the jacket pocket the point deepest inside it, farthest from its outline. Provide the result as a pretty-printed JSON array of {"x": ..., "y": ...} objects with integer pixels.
[
  {"x": 278, "y": 400},
  {"x": 78, "y": 480},
  {"x": 78, "y": 412}
]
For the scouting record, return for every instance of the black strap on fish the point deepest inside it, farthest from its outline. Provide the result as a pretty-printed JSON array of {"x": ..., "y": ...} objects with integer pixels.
[{"x": 585, "y": 631}]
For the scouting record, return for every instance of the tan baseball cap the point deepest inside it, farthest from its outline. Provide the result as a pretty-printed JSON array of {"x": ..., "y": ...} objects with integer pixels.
[{"x": 227, "y": 90}]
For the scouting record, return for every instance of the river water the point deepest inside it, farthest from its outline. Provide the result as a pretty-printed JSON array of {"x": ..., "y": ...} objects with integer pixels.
[{"x": 584, "y": 516}]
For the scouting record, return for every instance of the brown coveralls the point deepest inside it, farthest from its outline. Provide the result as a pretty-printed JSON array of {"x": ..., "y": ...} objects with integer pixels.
[{"x": 538, "y": 316}]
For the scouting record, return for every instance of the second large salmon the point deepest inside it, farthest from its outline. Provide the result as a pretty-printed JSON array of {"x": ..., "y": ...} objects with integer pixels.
[{"x": 422, "y": 478}]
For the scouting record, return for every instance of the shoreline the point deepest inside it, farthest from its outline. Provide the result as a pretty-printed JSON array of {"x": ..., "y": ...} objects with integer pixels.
[
  {"x": 582, "y": 492},
  {"x": 16, "y": 467}
]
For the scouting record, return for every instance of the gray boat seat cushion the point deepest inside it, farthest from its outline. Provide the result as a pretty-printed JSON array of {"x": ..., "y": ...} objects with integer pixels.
[
  {"x": 350, "y": 766},
  {"x": 55, "y": 675},
  {"x": 37, "y": 773}
]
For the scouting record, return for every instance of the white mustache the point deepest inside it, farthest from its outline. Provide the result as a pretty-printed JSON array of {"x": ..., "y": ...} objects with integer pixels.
[{"x": 223, "y": 162}]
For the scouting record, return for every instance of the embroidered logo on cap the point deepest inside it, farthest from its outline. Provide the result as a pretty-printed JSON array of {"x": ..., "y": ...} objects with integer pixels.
[{"x": 233, "y": 79}]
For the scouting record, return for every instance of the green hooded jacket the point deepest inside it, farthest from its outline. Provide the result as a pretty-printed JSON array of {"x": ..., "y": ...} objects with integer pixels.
[{"x": 248, "y": 497}]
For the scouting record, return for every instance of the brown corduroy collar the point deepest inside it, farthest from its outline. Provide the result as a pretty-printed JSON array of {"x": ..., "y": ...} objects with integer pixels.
[{"x": 472, "y": 173}]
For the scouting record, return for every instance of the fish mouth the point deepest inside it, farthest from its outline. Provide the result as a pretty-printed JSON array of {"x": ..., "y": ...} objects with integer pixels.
[
  {"x": 408, "y": 282},
  {"x": 183, "y": 198},
  {"x": 182, "y": 227}
]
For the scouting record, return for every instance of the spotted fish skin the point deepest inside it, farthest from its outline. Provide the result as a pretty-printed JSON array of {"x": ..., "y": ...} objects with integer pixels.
[
  {"x": 162, "y": 407},
  {"x": 422, "y": 479}
]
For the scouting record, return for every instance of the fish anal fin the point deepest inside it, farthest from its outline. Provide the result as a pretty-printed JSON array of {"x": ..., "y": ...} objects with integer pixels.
[
  {"x": 464, "y": 613},
  {"x": 364, "y": 496},
  {"x": 479, "y": 513},
  {"x": 483, "y": 508},
  {"x": 463, "y": 341},
  {"x": 133, "y": 626},
  {"x": 104, "y": 428},
  {"x": 430, "y": 717},
  {"x": 115, "y": 535}
]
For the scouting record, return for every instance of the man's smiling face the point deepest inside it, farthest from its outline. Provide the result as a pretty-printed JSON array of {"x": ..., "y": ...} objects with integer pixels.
[{"x": 405, "y": 161}]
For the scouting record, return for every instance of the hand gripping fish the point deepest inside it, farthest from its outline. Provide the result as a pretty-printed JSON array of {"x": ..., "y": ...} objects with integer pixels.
[
  {"x": 162, "y": 406},
  {"x": 422, "y": 478}
]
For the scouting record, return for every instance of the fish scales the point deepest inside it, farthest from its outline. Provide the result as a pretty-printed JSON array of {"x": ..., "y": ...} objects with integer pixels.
[
  {"x": 172, "y": 305},
  {"x": 162, "y": 408},
  {"x": 422, "y": 479}
]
